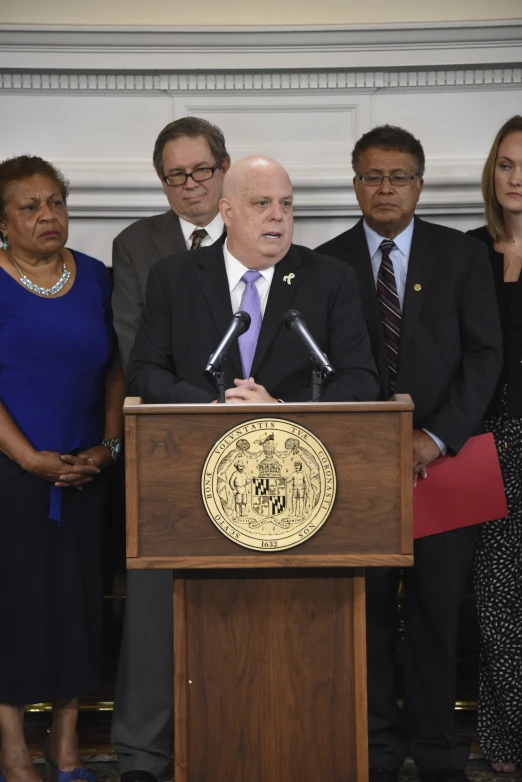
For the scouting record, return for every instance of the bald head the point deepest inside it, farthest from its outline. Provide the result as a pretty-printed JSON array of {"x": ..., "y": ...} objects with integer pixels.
[
  {"x": 257, "y": 210},
  {"x": 248, "y": 168}
]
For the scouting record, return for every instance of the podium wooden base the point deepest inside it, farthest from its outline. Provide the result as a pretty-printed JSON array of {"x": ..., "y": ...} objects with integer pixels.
[{"x": 270, "y": 676}]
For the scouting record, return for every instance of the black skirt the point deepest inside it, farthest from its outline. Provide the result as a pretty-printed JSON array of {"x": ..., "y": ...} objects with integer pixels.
[{"x": 50, "y": 588}]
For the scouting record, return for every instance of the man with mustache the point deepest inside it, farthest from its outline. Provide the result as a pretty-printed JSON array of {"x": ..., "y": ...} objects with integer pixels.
[{"x": 429, "y": 302}]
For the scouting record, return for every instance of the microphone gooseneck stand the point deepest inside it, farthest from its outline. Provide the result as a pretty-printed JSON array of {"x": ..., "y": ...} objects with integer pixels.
[
  {"x": 317, "y": 381},
  {"x": 214, "y": 372},
  {"x": 322, "y": 371},
  {"x": 219, "y": 381},
  {"x": 217, "y": 378}
]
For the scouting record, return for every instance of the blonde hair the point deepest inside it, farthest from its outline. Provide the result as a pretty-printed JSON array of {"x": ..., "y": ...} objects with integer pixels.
[{"x": 492, "y": 209}]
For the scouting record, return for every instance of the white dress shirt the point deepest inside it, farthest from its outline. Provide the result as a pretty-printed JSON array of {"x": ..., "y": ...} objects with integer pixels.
[
  {"x": 399, "y": 256},
  {"x": 235, "y": 270},
  {"x": 214, "y": 231}
]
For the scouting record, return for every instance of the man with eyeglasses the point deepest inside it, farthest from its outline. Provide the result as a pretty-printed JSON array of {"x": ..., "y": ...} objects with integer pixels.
[
  {"x": 429, "y": 303},
  {"x": 191, "y": 160}
]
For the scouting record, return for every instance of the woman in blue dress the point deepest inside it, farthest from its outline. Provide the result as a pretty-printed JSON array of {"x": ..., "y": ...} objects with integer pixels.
[{"x": 61, "y": 394}]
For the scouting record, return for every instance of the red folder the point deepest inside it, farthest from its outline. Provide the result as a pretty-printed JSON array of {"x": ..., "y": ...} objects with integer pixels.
[{"x": 460, "y": 490}]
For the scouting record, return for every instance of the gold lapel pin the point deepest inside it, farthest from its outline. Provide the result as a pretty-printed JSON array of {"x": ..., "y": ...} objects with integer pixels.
[
  {"x": 417, "y": 287},
  {"x": 288, "y": 278}
]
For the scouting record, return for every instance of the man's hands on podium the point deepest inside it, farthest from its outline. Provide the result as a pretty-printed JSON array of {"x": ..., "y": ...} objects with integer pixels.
[
  {"x": 248, "y": 392},
  {"x": 425, "y": 451}
]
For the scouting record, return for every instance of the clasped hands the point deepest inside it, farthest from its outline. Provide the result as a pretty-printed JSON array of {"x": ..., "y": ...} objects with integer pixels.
[
  {"x": 248, "y": 392},
  {"x": 425, "y": 451},
  {"x": 66, "y": 470}
]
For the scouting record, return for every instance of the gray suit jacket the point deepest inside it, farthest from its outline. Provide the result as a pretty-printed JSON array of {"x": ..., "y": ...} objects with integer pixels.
[{"x": 135, "y": 250}]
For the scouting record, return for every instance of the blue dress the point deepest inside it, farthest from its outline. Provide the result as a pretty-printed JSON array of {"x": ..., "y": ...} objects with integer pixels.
[{"x": 54, "y": 353}]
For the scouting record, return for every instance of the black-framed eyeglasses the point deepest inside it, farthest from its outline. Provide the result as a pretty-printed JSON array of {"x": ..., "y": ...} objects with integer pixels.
[
  {"x": 398, "y": 179},
  {"x": 198, "y": 175}
]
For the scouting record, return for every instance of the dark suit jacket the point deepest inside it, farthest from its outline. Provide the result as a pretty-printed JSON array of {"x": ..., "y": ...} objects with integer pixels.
[
  {"x": 511, "y": 319},
  {"x": 451, "y": 345},
  {"x": 188, "y": 309},
  {"x": 135, "y": 250}
]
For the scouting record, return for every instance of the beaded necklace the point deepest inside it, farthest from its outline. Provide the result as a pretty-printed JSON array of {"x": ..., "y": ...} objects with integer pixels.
[{"x": 54, "y": 289}]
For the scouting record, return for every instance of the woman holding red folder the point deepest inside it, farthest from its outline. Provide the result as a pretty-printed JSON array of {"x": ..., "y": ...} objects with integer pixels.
[{"x": 498, "y": 565}]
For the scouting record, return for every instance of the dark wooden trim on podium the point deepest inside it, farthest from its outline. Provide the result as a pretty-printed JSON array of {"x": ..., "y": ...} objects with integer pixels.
[
  {"x": 268, "y": 559},
  {"x": 400, "y": 402},
  {"x": 131, "y": 478},
  {"x": 406, "y": 478},
  {"x": 359, "y": 662},
  {"x": 181, "y": 682}
]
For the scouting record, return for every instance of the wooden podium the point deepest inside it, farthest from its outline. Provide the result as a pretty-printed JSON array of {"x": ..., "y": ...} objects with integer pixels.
[{"x": 269, "y": 647}]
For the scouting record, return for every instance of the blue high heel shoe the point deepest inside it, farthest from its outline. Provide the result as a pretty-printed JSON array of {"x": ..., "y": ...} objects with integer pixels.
[{"x": 62, "y": 776}]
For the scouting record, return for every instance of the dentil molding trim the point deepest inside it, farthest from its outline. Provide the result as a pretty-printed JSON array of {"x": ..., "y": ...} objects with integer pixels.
[
  {"x": 264, "y": 83},
  {"x": 433, "y": 45}
]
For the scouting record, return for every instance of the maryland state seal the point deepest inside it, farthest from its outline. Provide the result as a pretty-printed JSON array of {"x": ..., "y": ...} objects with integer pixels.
[{"x": 268, "y": 484}]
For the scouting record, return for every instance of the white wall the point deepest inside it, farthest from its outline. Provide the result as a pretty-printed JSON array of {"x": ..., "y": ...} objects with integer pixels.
[{"x": 98, "y": 123}]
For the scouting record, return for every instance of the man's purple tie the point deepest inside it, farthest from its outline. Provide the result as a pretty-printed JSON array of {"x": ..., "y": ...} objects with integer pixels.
[
  {"x": 250, "y": 303},
  {"x": 390, "y": 309}
]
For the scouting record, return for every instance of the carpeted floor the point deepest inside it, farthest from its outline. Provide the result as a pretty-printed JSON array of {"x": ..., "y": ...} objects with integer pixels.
[{"x": 478, "y": 769}]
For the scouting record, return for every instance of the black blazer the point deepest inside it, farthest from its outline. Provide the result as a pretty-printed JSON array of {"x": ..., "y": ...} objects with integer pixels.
[
  {"x": 511, "y": 319},
  {"x": 188, "y": 309},
  {"x": 451, "y": 346}
]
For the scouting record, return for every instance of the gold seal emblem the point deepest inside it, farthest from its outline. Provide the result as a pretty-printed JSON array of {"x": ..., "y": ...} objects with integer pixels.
[{"x": 268, "y": 484}]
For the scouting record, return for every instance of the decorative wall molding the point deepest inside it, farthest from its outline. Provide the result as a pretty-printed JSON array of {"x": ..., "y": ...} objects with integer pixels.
[
  {"x": 103, "y": 189},
  {"x": 261, "y": 83},
  {"x": 300, "y": 95},
  {"x": 434, "y": 45}
]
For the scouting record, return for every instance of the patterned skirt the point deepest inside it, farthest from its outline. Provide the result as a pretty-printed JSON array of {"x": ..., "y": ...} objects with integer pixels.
[{"x": 498, "y": 587}]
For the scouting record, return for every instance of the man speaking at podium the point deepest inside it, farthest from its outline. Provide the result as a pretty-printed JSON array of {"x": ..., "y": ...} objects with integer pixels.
[{"x": 192, "y": 298}]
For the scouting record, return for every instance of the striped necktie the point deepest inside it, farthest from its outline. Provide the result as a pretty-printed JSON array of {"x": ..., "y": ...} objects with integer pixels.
[
  {"x": 390, "y": 309},
  {"x": 197, "y": 237}
]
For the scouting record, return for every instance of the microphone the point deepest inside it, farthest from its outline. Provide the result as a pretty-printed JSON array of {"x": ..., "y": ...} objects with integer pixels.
[
  {"x": 295, "y": 322},
  {"x": 238, "y": 325}
]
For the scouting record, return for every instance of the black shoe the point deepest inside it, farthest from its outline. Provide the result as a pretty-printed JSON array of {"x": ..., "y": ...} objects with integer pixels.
[
  {"x": 381, "y": 775},
  {"x": 138, "y": 776},
  {"x": 446, "y": 775}
]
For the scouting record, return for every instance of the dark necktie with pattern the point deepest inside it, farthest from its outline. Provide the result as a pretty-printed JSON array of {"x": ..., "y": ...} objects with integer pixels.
[
  {"x": 390, "y": 309},
  {"x": 197, "y": 237}
]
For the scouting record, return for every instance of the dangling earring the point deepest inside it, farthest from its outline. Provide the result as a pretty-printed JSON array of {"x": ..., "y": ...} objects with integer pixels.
[{"x": 4, "y": 241}]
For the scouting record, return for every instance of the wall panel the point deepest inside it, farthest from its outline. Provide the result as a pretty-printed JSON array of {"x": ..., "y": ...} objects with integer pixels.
[{"x": 98, "y": 122}]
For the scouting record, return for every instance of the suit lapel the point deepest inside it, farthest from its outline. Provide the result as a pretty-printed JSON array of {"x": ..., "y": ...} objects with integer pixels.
[
  {"x": 279, "y": 301},
  {"x": 211, "y": 276},
  {"x": 358, "y": 256},
  {"x": 167, "y": 235},
  {"x": 421, "y": 265}
]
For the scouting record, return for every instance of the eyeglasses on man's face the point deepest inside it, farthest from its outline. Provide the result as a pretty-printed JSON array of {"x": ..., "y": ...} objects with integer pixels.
[
  {"x": 399, "y": 179},
  {"x": 198, "y": 175}
]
